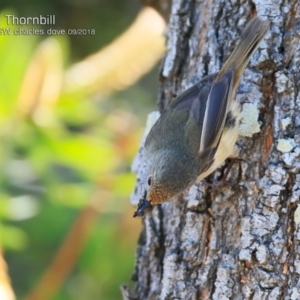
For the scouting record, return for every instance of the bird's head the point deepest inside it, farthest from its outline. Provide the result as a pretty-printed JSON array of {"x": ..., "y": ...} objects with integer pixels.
[{"x": 168, "y": 174}]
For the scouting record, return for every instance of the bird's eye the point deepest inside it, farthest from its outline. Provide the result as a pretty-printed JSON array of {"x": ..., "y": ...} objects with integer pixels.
[{"x": 149, "y": 180}]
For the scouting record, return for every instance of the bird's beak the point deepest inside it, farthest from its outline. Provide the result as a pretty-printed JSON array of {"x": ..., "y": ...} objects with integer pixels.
[{"x": 144, "y": 206}]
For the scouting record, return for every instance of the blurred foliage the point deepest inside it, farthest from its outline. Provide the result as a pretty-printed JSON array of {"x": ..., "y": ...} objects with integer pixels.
[{"x": 60, "y": 149}]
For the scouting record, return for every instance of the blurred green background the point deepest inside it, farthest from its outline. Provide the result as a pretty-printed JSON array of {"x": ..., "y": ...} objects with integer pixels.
[{"x": 67, "y": 230}]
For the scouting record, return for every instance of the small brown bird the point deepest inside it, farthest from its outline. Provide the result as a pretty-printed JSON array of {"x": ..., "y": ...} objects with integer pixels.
[{"x": 199, "y": 129}]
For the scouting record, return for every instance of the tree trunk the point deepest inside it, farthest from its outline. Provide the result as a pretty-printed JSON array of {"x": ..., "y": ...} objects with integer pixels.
[{"x": 238, "y": 240}]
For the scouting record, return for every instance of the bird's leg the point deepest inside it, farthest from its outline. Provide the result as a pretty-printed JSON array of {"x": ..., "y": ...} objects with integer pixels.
[{"x": 219, "y": 183}]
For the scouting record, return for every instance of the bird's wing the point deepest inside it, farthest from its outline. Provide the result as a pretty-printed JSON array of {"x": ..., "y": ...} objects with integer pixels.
[
  {"x": 207, "y": 158},
  {"x": 206, "y": 104},
  {"x": 199, "y": 113},
  {"x": 215, "y": 111},
  {"x": 169, "y": 126},
  {"x": 185, "y": 100}
]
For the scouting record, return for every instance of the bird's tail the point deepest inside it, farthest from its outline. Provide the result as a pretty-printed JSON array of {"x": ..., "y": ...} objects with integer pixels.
[{"x": 250, "y": 39}]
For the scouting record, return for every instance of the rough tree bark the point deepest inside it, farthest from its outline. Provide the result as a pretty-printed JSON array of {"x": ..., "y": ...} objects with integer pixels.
[{"x": 238, "y": 241}]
